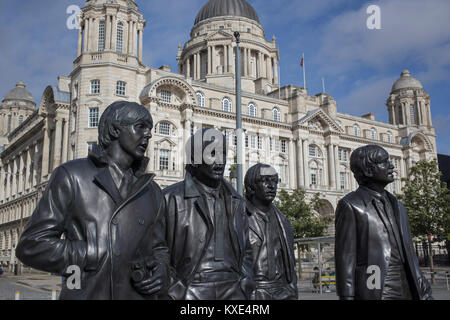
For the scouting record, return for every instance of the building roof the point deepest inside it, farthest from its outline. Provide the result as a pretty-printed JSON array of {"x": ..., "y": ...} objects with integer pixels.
[
  {"x": 219, "y": 8},
  {"x": 19, "y": 93},
  {"x": 406, "y": 81}
]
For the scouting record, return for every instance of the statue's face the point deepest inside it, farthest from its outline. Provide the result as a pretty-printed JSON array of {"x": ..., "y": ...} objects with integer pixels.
[
  {"x": 133, "y": 138},
  {"x": 213, "y": 166},
  {"x": 383, "y": 170},
  {"x": 266, "y": 187}
]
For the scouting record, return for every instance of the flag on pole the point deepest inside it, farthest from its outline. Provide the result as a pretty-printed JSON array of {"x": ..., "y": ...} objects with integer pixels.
[{"x": 301, "y": 63}]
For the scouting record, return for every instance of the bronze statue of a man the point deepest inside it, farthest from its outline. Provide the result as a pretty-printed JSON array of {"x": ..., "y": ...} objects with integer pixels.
[
  {"x": 207, "y": 225},
  {"x": 111, "y": 214},
  {"x": 271, "y": 237},
  {"x": 375, "y": 258}
]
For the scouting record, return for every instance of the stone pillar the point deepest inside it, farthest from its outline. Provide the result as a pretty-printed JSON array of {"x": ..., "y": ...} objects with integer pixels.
[
  {"x": 20, "y": 174},
  {"x": 225, "y": 58},
  {"x": 245, "y": 60},
  {"x": 232, "y": 62},
  {"x": 300, "y": 179},
  {"x": 331, "y": 166},
  {"x": 80, "y": 40},
  {"x": 268, "y": 64},
  {"x": 45, "y": 154},
  {"x": 141, "y": 40},
  {"x": 336, "y": 165},
  {"x": 107, "y": 33},
  {"x": 14, "y": 177},
  {"x": 292, "y": 180},
  {"x": 305, "y": 144},
  {"x": 135, "y": 38},
  {"x": 65, "y": 142},
  {"x": 28, "y": 169},
  {"x": 195, "y": 67},
  {"x": 85, "y": 40},
  {"x": 275, "y": 70},
  {"x": 209, "y": 60},
  {"x": 199, "y": 62},
  {"x": 259, "y": 71},
  {"x": 114, "y": 33},
  {"x": 130, "y": 37},
  {"x": 188, "y": 67},
  {"x": 57, "y": 144}
]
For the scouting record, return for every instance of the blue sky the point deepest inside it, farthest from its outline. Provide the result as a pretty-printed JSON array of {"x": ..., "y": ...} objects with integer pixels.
[{"x": 359, "y": 65}]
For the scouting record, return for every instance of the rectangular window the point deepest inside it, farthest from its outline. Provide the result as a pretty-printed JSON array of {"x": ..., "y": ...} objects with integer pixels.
[
  {"x": 119, "y": 46},
  {"x": 246, "y": 141},
  {"x": 253, "y": 142},
  {"x": 163, "y": 159},
  {"x": 166, "y": 96},
  {"x": 121, "y": 88},
  {"x": 314, "y": 176},
  {"x": 312, "y": 151},
  {"x": 93, "y": 117},
  {"x": 342, "y": 176},
  {"x": 260, "y": 143},
  {"x": 235, "y": 140},
  {"x": 101, "y": 36},
  {"x": 277, "y": 145},
  {"x": 283, "y": 146},
  {"x": 271, "y": 144},
  {"x": 95, "y": 86}
]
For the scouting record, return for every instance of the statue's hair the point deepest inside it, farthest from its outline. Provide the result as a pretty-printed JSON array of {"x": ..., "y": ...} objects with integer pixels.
[
  {"x": 362, "y": 158},
  {"x": 252, "y": 177},
  {"x": 119, "y": 114}
]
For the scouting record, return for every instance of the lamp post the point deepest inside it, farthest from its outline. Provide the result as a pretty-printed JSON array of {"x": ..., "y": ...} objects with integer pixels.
[{"x": 239, "y": 131}]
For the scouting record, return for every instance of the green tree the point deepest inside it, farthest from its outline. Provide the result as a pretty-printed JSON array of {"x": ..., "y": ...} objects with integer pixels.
[
  {"x": 304, "y": 217},
  {"x": 427, "y": 200}
]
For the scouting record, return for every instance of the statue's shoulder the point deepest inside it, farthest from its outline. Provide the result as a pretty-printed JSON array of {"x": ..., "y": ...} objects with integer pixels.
[
  {"x": 174, "y": 189},
  {"x": 354, "y": 198},
  {"x": 77, "y": 167}
]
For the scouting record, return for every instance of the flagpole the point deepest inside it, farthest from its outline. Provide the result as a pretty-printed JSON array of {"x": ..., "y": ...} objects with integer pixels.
[
  {"x": 304, "y": 71},
  {"x": 323, "y": 85},
  {"x": 279, "y": 81}
]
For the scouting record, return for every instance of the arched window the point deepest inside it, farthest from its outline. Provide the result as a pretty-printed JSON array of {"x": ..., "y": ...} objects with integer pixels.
[
  {"x": 20, "y": 119},
  {"x": 276, "y": 114},
  {"x": 373, "y": 134},
  {"x": 400, "y": 114},
  {"x": 252, "y": 110},
  {"x": 356, "y": 130},
  {"x": 389, "y": 136},
  {"x": 201, "y": 99},
  {"x": 226, "y": 105},
  {"x": 119, "y": 43},
  {"x": 412, "y": 114},
  {"x": 101, "y": 36}
]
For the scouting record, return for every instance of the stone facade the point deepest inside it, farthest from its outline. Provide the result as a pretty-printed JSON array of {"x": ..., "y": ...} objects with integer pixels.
[{"x": 302, "y": 135}]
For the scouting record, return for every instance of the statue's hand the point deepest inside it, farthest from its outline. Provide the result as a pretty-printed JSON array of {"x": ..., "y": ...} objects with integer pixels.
[
  {"x": 347, "y": 298},
  {"x": 156, "y": 282}
]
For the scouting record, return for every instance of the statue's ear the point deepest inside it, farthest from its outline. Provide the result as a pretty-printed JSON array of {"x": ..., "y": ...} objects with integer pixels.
[
  {"x": 114, "y": 130},
  {"x": 368, "y": 171}
]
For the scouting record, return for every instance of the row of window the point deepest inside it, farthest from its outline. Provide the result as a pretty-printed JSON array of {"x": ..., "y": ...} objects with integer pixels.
[
  {"x": 227, "y": 106},
  {"x": 119, "y": 37},
  {"x": 121, "y": 87},
  {"x": 373, "y": 133}
]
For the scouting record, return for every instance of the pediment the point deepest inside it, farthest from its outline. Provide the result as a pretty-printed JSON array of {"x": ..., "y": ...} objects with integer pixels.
[
  {"x": 318, "y": 120},
  {"x": 165, "y": 142},
  {"x": 219, "y": 35}
]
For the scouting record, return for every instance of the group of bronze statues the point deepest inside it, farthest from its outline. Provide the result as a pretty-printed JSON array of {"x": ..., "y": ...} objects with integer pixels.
[{"x": 199, "y": 239}]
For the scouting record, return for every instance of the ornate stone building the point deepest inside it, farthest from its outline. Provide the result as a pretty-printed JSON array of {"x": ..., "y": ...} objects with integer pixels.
[{"x": 302, "y": 135}]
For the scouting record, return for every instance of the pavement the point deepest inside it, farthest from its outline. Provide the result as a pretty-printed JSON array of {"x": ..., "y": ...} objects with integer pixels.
[{"x": 40, "y": 287}]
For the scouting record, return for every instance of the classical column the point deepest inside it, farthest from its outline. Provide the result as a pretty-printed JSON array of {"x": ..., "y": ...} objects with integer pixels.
[
  {"x": 34, "y": 178},
  {"x": 45, "y": 154},
  {"x": 80, "y": 39},
  {"x": 195, "y": 67},
  {"x": 28, "y": 168},
  {"x": 292, "y": 180},
  {"x": 134, "y": 38},
  {"x": 199, "y": 63},
  {"x": 232, "y": 62},
  {"x": 21, "y": 172},
  {"x": 259, "y": 71},
  {"x": 300, "y": 179},
  {"x": 209, "y": 60},
  {"x": 249, "y": 55},
  {"x": 331, "y": 166},
  {"x": 65, "y": 142},
  {"x": 14, "y": 177},
  {"x": 225, "y": 57},
  {"x": 130, "y": 37},
  {"x": 114, "y": 33},
  {"x": 57, "y": 145},
  {"x": 85, "y": 40},
  {"x": 107, "y": 33},
  {"x": 305, "y": 144},
  {"x": 141, "y": 40},
  {"x": 188, "y": 67},
  {"x": 275, "y": 70},
  {"x": 245, "y": 62},
  {"x": 336, "y": 165},
  {"x": 268, "y": 64}
]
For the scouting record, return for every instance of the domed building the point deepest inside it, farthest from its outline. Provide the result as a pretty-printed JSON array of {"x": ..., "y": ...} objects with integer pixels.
[{"x": 302, "y": 135}]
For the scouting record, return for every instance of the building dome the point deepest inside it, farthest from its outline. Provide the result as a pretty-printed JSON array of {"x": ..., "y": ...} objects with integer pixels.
[
  {"x": 220, "y": 8},
  {"x": 406, "y": 81},
  {"x": 19, "y": 93}
]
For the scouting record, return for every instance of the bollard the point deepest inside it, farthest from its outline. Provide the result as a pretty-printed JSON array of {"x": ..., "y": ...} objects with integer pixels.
[
  {"x": 53, "y": 294},
  {"x": 17, "y": 297}
]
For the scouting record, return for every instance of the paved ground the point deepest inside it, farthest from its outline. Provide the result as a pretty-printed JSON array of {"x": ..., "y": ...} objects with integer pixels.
[{"x": 40, "y": 286}]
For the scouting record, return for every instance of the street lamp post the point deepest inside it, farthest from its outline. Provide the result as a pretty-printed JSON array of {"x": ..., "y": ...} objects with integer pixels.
[{"x": 239, "y": 131}]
